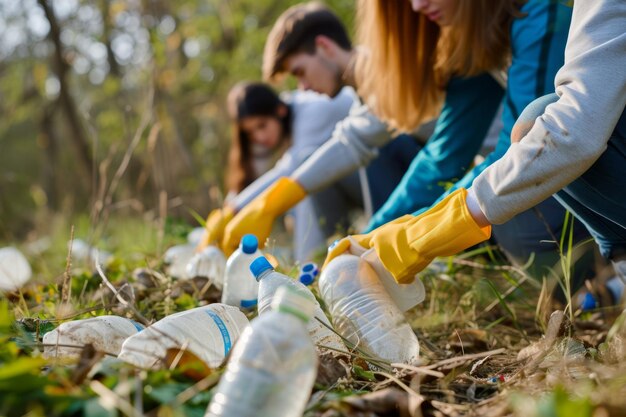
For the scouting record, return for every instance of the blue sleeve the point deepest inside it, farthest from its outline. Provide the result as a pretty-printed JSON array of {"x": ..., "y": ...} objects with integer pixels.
[
  {"x": 469, "y": 108},
  {"x": 538, "y": 43}
]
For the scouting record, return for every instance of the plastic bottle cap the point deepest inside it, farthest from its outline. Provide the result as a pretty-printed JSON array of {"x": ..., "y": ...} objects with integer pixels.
[
  {"x": 307, "y": 279},
  {"x": 249, "y": 244},
  {"x": 308, "y": 272},
  {"x": 291, "y": 301},
  {"x": 260, "y": 265}
]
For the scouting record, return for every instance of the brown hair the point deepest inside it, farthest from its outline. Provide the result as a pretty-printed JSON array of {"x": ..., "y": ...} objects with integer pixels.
[
  {"x": 409, "y": 59},
  {"x": 250, "y": 99},
  {"x": 295, "y": 31}
]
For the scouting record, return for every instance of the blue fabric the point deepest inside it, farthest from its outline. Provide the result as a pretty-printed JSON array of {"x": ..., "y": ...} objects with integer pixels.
[{"x": 538, "y": 42}]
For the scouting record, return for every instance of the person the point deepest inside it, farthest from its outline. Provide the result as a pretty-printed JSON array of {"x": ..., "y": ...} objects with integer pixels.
[
  {"x": 575, "y": 149},
  {"x": 309, "y": 41},
  {"x": 456, "y": 74},
  {"x": 286, "y": 129},
  {"x": 261, "y": 121}
]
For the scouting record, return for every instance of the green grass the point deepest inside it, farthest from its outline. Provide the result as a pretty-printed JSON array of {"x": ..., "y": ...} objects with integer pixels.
[{"x": 475, "y": 305}]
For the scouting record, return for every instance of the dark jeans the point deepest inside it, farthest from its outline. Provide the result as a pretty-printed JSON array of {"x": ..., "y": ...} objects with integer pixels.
[
  {"x": 598, "y": 197},
  {"x": 537, "y": 232}
]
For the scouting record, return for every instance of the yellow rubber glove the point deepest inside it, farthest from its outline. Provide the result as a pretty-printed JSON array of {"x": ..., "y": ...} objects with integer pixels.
[
  {"x": 215, "y": 224},
  {"x": 407, "y": 245},
  {"x": 259, "y": 215}
]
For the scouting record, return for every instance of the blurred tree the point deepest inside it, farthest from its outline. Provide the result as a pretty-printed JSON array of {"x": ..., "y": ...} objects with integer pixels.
[{"x": 111, "y": 106}]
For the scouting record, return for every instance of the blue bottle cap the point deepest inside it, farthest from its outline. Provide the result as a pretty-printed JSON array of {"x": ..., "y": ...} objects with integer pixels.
[
  {"x": 260, "y": 265},
  {"x": 588, "y": 302},
  {"x": 249, "y": 244},
  {"x": 307, "y": 279}
]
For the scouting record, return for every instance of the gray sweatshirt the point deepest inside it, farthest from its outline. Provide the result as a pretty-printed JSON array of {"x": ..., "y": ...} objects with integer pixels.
[{"x": 573, "y": 132}]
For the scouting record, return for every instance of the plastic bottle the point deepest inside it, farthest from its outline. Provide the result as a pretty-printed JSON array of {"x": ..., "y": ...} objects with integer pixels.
[
  {"x": 406, "y": 296},
  {"x": 240, "y": 287},
  {"x": 208, "y": 263},
  {"x": 363, "y": 311},
  {"x": 273, "y": 367},
  {"x": 308, "y": 273},
  {"x": 270, "y": 281},
  {"x": 177, "y": 257},
  {"x": 105, "y": 333},
  {"x": 209, "y": 332}
]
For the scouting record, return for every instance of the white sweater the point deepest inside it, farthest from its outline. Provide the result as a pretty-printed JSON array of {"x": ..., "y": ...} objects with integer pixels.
[{"x": 573, "y": 132}]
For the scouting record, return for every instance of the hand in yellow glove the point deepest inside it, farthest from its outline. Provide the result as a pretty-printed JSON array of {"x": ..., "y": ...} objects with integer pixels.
[
  {"x": 259, "y": 215},
  {"x": 407, "y": 245},
  {"x": 215, "y": 224}
]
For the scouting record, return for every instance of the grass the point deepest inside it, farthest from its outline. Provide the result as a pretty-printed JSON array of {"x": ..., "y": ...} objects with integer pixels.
[{"x": 478, "y": 315}]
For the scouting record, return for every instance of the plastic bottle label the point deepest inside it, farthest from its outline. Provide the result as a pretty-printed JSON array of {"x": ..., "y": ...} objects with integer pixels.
[
  {"x": 248, "y": 303},
  {"x": 223, "y": 330},
  {"x": 138, "y": 326}
]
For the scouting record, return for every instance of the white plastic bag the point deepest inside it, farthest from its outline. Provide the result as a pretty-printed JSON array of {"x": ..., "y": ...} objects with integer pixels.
[{"x": 14, "y": 269}]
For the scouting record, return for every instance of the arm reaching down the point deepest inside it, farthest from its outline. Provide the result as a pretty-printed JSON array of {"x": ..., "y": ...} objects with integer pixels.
[{"x": 573, "y": 132}]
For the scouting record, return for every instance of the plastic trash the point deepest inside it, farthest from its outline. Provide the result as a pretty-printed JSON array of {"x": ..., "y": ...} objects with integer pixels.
[
  {"x": 240, "y": 286},
  {"x": 14, "y": 269},
  {"x": 209, "y": 332},
  {"x": 84, "y": 252},
  {"x": 273, "y": 367},
  {"x": 308, "y": 273},
  {"x": 363, "y": 311},
  {"x": 196, "y": 235},
  {"x": 406, "y": 296},
  {"x": 177, "y": 257},
  {"x": 209, "y": 263},
  {"x": 105, "y": 333},
  {"x": 269, "y": 283}
]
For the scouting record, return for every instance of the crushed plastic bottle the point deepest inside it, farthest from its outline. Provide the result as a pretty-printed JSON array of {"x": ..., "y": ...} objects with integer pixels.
[
  {"x": 363, "y": 311},
  {"x": 177, "y": 257},
  {"x": 240, "y": 286},
  {"x": 195, "y": 236},
  {"x": 406, "y": 296},
  {"x": 105, "y": 333},
  {"x": 273, "y": 367},
  {"x": 270, "y": 281},
  {"x": 14, "y": 269},
  {"x": 209, "y": 332},
  {"x": 308, "y": 273},
  {"x": 209, "y": 263}
]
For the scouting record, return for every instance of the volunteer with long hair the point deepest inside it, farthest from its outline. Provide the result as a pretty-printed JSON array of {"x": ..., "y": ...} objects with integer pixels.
[
  {"x": 576, "y": 148},
  {"x": 273, "y": 136}
]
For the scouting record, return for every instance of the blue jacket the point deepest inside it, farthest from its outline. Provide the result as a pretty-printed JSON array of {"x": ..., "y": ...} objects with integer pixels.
[{"x": 538, "y": 43}]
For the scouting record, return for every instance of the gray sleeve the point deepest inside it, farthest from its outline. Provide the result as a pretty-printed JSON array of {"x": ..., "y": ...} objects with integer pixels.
[
  {"x": 354, "y": 144},
  {"x": 573, "y": 132}
]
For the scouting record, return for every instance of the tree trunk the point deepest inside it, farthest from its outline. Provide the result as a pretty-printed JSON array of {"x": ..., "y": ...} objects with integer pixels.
[{"x": 66, "y": 100}]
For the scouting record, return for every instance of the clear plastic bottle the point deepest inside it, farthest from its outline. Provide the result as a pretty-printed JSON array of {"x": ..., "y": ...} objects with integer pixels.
[
  {"x": 273, "y": 367},
  {"x": 208, "y": 263},
  {"x": 105, "y": 333},
  {"x": 308, "y": 273},
  {"x": 209, "y": 332},
  {"x": 270, "y": 281},
  {"x": 240, "y": 288},
  {"x": 363, "y": 311},
  {"x": 177, "y": 257}
]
